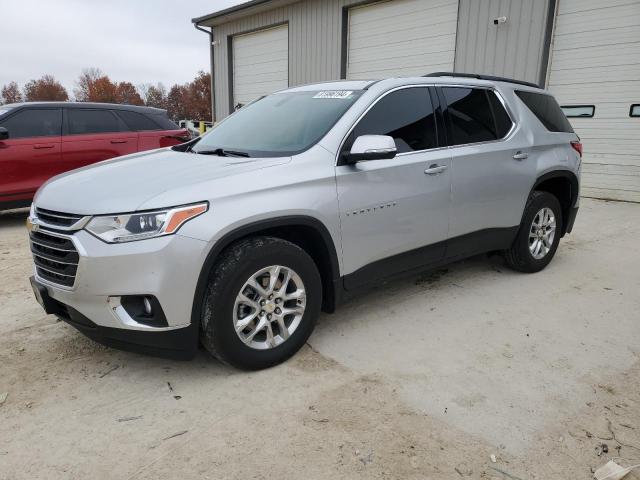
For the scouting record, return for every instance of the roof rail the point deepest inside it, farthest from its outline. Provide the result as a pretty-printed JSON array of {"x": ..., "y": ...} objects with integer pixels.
[{"x": 482, "y": 77}]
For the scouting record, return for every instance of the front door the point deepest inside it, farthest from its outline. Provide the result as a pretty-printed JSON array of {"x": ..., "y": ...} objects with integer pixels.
[
  {"x": 394, "y": 214},
  {"x": 31, "y": 154}
]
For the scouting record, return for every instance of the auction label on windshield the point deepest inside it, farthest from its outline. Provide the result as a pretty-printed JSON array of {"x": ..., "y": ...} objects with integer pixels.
[{"x": 334, "y": 94}]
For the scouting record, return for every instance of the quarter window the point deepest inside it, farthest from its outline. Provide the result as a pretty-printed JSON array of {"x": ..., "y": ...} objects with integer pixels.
[
  {"x": 406, "y": 115},
  {"x": 34, "y": 123},
  {"x": 547, "y": 110},
  {"x": 82, "y": 121},
  {"x": 500, "y": 115},
  {"x": 634, "y": 111},
  {"x": 470, "y": 118},
  {"x": 136, "y": 121}
]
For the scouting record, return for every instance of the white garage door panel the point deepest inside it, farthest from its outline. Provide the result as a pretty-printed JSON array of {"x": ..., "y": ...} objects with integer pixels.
[
  {"x": 260, "y": 63},
  {"x": 596, "y": 61},
  {"x": 586, "y": 5},
  {"x": 401, "y": 37}
]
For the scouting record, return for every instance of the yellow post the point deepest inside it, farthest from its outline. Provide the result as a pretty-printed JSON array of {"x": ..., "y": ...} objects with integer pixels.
[{"x": 201, "y": 127}]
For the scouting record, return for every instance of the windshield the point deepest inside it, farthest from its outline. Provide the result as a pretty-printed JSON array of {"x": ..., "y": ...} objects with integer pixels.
[{"x": 279, "y": 125}]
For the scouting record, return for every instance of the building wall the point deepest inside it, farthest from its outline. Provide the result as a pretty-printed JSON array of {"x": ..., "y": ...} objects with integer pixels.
[
  {"x": 515, "y": 49},
  {"x": 315, "y": 37}
]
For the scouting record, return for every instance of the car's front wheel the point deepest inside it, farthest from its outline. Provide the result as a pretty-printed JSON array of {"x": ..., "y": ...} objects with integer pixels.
[
  {"x": 539, "y": 234},
  {"x": 261, "y": 304}
]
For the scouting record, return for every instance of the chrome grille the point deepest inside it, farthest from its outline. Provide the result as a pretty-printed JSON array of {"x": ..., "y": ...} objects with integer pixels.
[
  {"x": 57, "y": 219},
  {"x": 55, "y": 257}
]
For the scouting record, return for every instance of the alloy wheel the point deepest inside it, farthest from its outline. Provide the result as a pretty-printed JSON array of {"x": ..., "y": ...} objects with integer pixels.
[
  {"x": 542, "y": 233},
  {"x": 269, "y": 307}
]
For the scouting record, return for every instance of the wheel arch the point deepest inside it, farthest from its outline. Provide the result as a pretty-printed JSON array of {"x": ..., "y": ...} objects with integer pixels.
[
  {"x": 564, "y": 185},
  {"x": 307, "y": 232}
]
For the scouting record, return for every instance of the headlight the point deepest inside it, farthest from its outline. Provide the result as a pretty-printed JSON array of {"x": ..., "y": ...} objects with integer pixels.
[{"x": 137, "y": 226}]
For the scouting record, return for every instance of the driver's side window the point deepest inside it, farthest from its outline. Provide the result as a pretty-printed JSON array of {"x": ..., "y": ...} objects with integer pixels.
[{"x": 406, "y": 115}]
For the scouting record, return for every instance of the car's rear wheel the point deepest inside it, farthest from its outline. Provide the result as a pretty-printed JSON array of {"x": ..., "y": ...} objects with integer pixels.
[
  {"x": 539, "y": 234},
  {"x": 262, "y": 302}
]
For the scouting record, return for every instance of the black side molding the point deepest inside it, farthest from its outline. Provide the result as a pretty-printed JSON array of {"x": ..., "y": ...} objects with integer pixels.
[{"x": 430, "y": 257}]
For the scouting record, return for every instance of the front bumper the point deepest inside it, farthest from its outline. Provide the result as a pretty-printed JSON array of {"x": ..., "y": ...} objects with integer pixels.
[
  {"x": 180, "y": 343},
  {"x": 166, "y": 268}
]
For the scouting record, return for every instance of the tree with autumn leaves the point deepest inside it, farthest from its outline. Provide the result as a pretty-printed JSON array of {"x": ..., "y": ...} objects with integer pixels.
[
  {"x": 43, "y": 89},
  {"x": 191, "y": 100}
]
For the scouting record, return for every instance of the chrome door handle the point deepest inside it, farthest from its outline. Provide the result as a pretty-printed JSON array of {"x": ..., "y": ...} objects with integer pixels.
[
  {"x": 435, "y": 169},
  {"x": 521, "y": 156}
]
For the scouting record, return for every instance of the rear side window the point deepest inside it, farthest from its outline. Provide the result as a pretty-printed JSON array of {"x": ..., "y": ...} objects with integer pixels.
[
  {"x": 34, "y": 123},
  {"x": 136, "y": 121},
  {"x": 406, "y": 115},
  {"x": 547, "y": 110},
  {"x": 469, "y": 113},
  {"x": 164, "y": 122},
  {"x": 83, "y": 121}
]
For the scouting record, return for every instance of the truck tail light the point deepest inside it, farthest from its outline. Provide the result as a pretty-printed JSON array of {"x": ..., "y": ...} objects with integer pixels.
[{"x": 577, "y": 146}]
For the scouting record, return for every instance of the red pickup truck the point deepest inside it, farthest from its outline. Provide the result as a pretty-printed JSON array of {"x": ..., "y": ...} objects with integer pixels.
[{"x": 41, "y": 139}]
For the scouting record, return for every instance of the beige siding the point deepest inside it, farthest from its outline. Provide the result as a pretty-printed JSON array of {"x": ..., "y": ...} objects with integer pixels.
[
  {"x": 315, "y": 39},
  {"x": 596, "y": 61},
  {"x": 513, "y": 49}
]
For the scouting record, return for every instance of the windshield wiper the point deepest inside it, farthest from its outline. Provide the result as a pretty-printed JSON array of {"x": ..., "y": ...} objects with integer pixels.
[{"x": 222, "y": 152}]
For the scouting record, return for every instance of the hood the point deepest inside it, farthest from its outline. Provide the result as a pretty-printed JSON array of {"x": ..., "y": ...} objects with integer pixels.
[{"x": 125, "y": 183}]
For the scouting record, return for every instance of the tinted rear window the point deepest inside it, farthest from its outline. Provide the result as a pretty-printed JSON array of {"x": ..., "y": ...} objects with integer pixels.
[
  {"x": 92, "y": 121},
  {"x": 34, "y": 122},
  {"x": 137, "y": 121},
  {"x": 164, "y": 122},
  {"x": 547, "y": 110},
  {"x": 469, "y": 115}
]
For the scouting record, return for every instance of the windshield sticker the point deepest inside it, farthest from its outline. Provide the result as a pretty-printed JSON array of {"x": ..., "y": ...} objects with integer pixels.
[{"x": 334, "y": 94}]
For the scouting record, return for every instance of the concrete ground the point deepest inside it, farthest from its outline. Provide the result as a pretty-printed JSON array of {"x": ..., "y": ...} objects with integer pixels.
[{"x": 427, "y": 377}]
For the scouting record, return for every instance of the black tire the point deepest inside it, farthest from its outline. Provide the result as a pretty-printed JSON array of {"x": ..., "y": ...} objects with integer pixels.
[
  {"x": 518, "y": 256},
  {"x": 236, "y": 265}
]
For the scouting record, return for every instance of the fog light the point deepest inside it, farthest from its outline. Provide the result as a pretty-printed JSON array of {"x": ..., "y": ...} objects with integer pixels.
[
  {"x": 144, "y": 309},
  {"x": 147, "y": 306}
]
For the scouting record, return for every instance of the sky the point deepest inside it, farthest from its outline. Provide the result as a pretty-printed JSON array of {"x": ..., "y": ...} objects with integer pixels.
[{"x": 140, "y": 41}]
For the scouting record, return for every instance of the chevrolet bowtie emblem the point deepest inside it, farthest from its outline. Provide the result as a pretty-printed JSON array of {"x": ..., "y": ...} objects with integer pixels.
[{"x": 31, "y": 226}]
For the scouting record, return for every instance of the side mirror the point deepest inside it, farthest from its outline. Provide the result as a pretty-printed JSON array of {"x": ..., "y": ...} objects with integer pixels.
[
  {"x": 4, "y": 133},
  {"x": 371, "y": 147}
]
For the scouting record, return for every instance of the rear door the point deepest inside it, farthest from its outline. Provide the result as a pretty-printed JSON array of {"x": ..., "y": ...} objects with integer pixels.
[
  {"x": 154, "y": 130},
  {"x": 92, "y": 135},
  {"x": 391, "y": 210},
  {"x": 489, "y": 186},
  {"x": 31, "y": 154}
]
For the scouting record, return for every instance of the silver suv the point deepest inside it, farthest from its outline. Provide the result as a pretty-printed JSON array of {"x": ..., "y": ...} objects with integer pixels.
[{"x": 238, "y": 239}]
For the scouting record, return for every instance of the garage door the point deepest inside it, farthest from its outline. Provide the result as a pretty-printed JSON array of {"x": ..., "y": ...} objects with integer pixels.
[
  {"x": 401, "y": 38},
  {"x": 260, "y": 63},
  {"x": 596, "y": 61}
]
